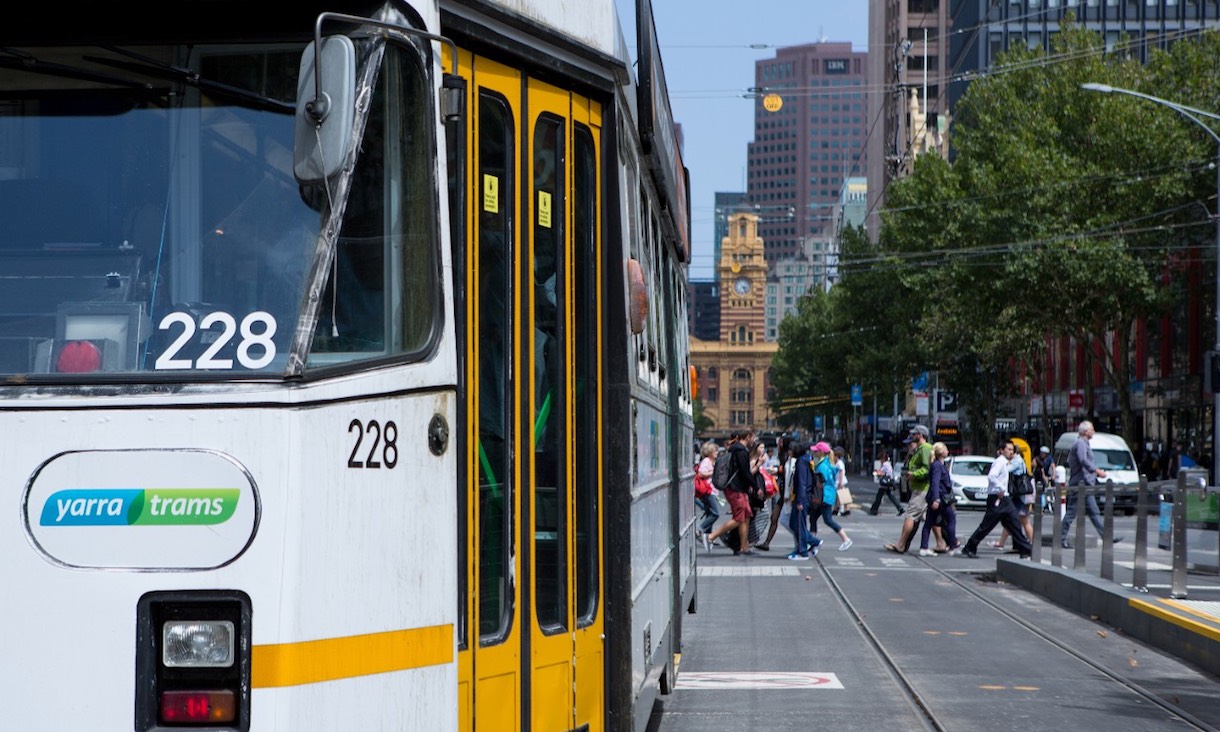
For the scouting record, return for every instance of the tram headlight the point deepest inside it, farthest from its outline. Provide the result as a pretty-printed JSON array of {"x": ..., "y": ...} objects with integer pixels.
[{"x": 197, "y": 644}]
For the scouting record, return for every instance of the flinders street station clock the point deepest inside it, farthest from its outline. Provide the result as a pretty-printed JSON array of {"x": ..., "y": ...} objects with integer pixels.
[{"x": 741, "y": 286}]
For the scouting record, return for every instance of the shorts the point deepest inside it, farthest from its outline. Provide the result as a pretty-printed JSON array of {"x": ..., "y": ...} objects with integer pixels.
[
  {"x": 916, "y": 506},
  {"x": 739, "y": 501}
]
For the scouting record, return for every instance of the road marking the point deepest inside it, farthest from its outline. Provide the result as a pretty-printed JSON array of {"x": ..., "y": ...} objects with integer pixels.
[
  {"x": 1152, "y": 566},
  {"x": 762, "y": 571},
  {"x": 717, "y": 680}
]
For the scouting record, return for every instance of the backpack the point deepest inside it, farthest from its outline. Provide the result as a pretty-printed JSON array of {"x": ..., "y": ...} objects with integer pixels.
[{"x": 722, "y": 471}]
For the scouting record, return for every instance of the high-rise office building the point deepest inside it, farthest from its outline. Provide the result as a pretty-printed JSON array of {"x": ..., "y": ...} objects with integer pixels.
[
  {"x": 908, "y": 42},
  {"x": 810, "y": 122},
  {"x": 989, "y": 28}
]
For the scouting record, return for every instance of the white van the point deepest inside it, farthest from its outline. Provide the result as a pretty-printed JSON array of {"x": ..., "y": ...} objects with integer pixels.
[{"x": 1111, "y": 454}]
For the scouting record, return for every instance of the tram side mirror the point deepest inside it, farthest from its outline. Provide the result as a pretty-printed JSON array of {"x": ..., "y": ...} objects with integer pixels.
[{"x": 326, "y": 107}]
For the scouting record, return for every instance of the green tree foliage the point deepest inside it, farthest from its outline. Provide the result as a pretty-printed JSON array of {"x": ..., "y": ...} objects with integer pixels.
[{"x": 1058, "y": 216}]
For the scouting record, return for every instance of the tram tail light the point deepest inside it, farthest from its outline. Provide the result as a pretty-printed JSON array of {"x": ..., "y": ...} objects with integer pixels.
[
  {"x": 193, "y": 661},
  {"x": 198, "y": 707}
]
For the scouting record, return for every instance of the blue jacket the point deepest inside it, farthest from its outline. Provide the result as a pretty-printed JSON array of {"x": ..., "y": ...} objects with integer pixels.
[
  {"x": 939, "y": 482},
  {"x": 803, "y": 484},
  {"x": 829, "y": 492}
]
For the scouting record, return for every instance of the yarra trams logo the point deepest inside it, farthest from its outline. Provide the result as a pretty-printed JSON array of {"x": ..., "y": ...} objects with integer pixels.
[{"x": 140, "y": 507}]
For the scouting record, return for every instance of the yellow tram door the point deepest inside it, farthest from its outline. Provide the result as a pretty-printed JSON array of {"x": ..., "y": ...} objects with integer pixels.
[
  {"x": 561, "y": 336},
  {"x": 489, "y": 656}
]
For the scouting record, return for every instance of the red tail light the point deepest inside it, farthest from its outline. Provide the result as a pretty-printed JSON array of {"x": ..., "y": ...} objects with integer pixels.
[{"x": 191, "y": 707}]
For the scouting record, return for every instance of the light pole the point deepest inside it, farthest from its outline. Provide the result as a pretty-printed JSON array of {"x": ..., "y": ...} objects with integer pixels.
[{"x": 1193, "y": 115}]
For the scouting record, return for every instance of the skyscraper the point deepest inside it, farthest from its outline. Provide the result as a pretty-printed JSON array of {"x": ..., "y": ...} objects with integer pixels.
[{"x": 810, "y": 122}]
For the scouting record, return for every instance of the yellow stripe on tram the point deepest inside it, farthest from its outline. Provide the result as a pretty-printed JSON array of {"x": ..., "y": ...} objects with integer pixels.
[{"x": 328, "y": 659}]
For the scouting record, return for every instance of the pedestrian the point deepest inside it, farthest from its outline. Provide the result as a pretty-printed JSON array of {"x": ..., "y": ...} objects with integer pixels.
[
  {"x": 1021, "y": 500},
  {"x": 1000, "y": 509},
  {"x": 1044, "y": 475},
  {"x": 783, "y": 480},
  {"x": 822, "y": 455},
  {"x": 918, "y": 467},
  {"x": 1083, "y": 473},
  {"x": 885, "y": 487},
  {"x": 941, "y": 509},
  {"x": 705, "y": 492},
  {"x": 804, "y": 492},
  {"x": 737, "y": 492},
  {"x": 840, "y": 466},
  {"x": 760, "y": 499}
]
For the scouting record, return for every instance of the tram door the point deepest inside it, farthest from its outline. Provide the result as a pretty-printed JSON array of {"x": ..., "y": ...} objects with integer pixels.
[
  {"x": 490, "y": 648},
  {"x": 532, "y": 606},
  {"x": 560, "y": 297}
]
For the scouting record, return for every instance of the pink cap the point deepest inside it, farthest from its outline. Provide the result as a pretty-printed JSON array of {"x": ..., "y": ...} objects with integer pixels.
[{"x": 821, "y": 447}]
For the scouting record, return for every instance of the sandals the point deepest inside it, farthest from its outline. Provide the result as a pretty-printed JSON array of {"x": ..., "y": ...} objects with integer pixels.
[{"x": 895, "y": 549}]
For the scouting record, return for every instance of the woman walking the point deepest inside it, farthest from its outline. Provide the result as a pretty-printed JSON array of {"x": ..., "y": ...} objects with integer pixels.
[
  {"x": 821, "y": 453},
  {"x": 705, "y": 492},
  {"x": 941, "y": 510}
]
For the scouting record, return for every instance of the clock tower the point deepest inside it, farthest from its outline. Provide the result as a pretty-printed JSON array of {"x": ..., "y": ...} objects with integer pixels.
[
  {"x": 734, "y": 373},
  {"x": 743, "y": 282}
]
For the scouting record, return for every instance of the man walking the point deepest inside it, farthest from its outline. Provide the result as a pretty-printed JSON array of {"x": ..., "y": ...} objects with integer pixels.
[
  {"x": 999, "y": 508},
  {"x": 737, "y": 493},
  {"x": 1082, "y": 471},
  {"x": 918, "y": 469}
]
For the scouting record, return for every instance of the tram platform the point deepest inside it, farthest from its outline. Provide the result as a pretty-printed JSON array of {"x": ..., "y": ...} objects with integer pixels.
[{"x": 866, "y": 639}]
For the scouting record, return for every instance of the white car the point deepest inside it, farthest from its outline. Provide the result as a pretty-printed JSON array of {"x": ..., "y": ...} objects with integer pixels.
[{"x": 969, "y": 476}]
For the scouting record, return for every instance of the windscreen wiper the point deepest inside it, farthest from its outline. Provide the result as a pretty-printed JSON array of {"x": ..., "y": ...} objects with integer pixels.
[
  {"x": 18, "y": 60},
  {"x": 162, "y": 70}
]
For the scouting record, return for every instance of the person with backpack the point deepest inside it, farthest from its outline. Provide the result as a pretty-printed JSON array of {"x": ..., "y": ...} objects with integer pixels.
[
  {"x": 999, "y": 508},
  {"x": 736, "y": 486},
  {"x": 918, "y": 468},
  {"x": 830, "y": 481},
  {"x": 805, "y": 495}
]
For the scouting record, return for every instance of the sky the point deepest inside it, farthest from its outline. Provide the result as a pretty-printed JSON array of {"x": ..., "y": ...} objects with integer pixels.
[{"x": 709, "y": 64}]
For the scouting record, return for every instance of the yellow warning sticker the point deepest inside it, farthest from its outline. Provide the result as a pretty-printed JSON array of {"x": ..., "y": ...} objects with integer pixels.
[
  {"x": 544, "y": 209},
  {"x": 491, "y": 194}
]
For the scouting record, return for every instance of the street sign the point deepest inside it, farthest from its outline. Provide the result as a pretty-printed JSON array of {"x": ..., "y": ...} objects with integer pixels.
[
  {"x": 857, "y": 395},
  {"x": 1076, "y": 399},
  {"x": 946, "y": 401}
]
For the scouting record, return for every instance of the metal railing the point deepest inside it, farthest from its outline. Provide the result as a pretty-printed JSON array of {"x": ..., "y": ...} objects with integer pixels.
[{"x": 1191, "y": 485}]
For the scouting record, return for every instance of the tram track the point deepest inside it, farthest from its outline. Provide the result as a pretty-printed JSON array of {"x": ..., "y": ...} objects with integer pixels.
[{"x": 925, "y": 711}]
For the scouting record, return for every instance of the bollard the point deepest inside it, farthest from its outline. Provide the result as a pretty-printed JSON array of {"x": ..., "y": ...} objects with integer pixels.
[
  {"x": 1056, "y": 526},
  {"x": 1082, "y": 492},
  {"x": 1036, "y": 509},
  {"x": 1139, "y": 571},
  {"x": 1178, "y": 531},
  {"x": 1107, "y": 535}
]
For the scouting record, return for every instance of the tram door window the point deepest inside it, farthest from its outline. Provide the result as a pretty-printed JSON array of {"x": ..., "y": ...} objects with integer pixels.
[
  {"x": 549, "y": 296},
  {"x": 495, "y": 324}
]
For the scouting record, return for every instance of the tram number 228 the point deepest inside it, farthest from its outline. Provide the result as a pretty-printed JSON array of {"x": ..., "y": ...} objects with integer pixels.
[{"x": 382, "y": 450}]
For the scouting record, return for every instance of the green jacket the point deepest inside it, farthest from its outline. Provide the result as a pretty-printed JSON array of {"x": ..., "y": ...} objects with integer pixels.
[{"x": 919, "y": 466}]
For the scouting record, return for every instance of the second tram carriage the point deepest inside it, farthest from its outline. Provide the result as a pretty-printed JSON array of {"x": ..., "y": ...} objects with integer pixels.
[{"x": 343, "y": 367}]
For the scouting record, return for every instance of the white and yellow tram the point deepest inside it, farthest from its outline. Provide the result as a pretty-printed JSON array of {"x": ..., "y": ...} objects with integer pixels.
[{"x": 343, "y": 390}]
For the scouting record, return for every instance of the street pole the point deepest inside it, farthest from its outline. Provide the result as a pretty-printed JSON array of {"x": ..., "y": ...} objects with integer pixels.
[{"x": 1193, "y": 115}]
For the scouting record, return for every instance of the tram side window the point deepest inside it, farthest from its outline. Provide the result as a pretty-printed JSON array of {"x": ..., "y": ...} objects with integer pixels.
[
  {"x": 496, "y": 153},
  {"x": 550, "y": 499},
  {"x": 586, "y": 268},
  {"x": 382, "y": 298}
]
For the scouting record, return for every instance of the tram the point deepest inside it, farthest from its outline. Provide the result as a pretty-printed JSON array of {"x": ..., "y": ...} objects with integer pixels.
[{"x": 343, "y": 367}]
